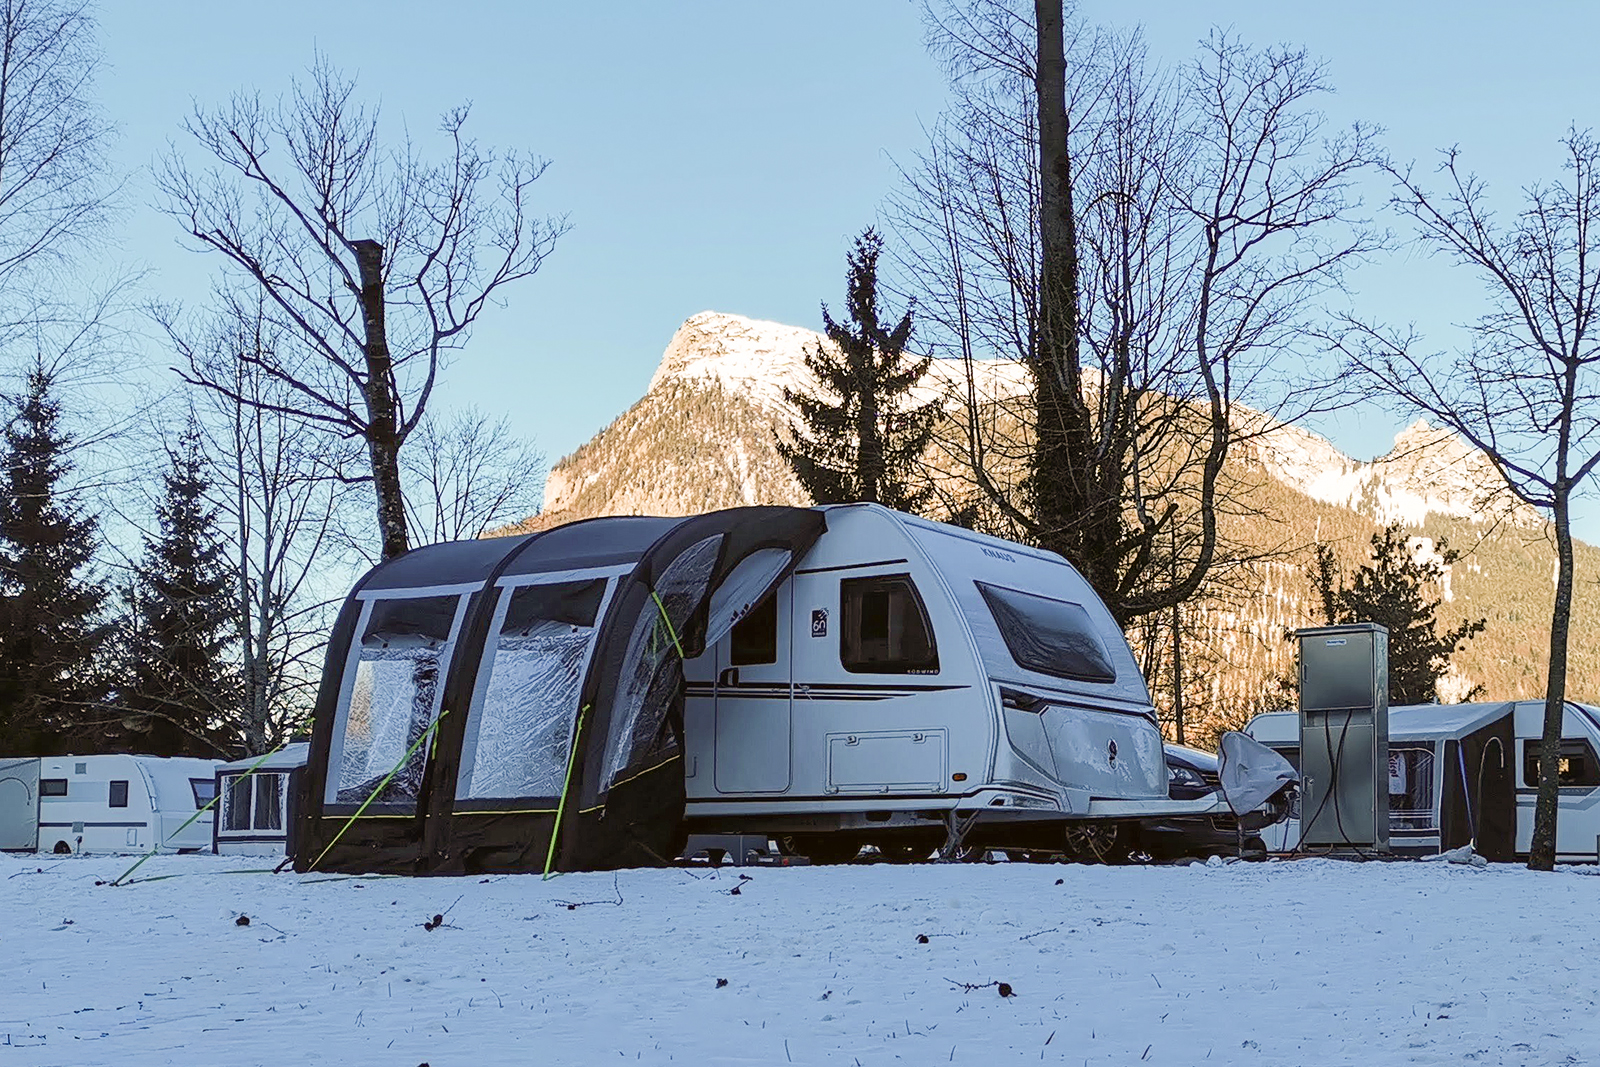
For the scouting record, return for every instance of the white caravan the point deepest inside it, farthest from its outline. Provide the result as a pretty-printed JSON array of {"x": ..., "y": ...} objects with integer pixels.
[
  {"x": 910, "y": 675},
  {"x": 1442, "y": 760},
  {"x": 118, "y": 803}
]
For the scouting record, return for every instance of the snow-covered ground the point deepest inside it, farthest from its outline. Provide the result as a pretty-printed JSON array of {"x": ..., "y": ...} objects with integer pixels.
[{"x": 1309, "y": 962}]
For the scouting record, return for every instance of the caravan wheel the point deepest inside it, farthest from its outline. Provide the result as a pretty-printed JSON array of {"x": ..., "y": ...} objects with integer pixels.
[{"x": 1098, "y": 842}]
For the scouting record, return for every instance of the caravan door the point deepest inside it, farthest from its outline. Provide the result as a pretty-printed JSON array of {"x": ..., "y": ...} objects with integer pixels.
[
  {"x": 19, "y": 804},
  {"x": 752, "y": 694}
]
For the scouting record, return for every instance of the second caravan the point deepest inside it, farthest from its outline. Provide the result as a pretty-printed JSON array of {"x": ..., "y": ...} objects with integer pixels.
[{"x": 1465, "y": 772}]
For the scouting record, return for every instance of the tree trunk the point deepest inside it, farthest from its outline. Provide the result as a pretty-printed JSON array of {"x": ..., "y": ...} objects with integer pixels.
[
  {"x": 1065, "y": 503},
  {"x": 1542, "y": 850},
  {"x": 383, "y": 431}
]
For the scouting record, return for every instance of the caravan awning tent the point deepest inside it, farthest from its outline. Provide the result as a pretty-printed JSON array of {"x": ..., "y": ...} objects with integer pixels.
[{"x": 475, "y": 689}]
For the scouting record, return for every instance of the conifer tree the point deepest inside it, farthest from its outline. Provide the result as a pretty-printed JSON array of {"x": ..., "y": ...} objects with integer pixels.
[
  {"x": 52, "y": 633},
  {"x": 1394, "y": 590},
  {"x": 860, "y": 438},
  {"x": 181, "y": 687}
]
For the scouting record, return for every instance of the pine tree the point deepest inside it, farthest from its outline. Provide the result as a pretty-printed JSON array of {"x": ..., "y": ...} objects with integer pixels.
[
  {"x": 52, "y": 634},
  {"x": 861, "y": 440},
  {"x": 1393, "y": 589},
  {"x": 181, "y": 687}
]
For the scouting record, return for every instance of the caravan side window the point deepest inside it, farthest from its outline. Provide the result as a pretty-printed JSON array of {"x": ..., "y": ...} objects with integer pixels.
[
  {"x": 1054, "y": 637},
  {"x": 884, "y": 627},
  {"x": 269, "y": 802},
  {"x": 755, "y": 637},
  {"x": 119, "y": 795},
  {"x": 1578, "y": 767},
  {"x": 52, "y": 787},
  {"x": 236, "y": 802}
]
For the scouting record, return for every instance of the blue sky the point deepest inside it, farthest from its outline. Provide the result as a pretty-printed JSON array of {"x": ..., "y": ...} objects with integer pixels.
[{"x": 717, "y": 155}]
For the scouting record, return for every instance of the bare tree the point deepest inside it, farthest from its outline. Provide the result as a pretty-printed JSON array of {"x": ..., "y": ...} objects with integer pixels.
[
  {"x": 1526, "y": 388},
  {"x": 1151, "y": 247},
  {"x": 379, "y": 261},
  {"x": 54, "y": 197},
  {"x": 281, "y": 494},
  {"x": 467, "y": 474}
]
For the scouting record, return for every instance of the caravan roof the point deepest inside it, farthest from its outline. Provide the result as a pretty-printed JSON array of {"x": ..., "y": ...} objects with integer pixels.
[
  {"x": 1407, "y": 722},
  {"x": 1435, "y": 722},
  {"x": 286, "y": 758}
]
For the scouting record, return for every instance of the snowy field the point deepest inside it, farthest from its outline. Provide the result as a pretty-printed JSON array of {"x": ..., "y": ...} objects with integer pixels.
[{"x": 1309, "y": 962}]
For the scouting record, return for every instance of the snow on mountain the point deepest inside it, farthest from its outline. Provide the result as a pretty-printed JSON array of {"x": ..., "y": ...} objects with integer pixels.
[
  {"x": 1429, "y": 471},
  {"x": 749, "y": 361}
]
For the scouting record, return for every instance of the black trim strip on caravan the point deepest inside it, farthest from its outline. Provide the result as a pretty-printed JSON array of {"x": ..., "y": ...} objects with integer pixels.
[
  {"x": 802, "y": 692},
  {"x": 851, "y": 566},
  {"x": 251, "y": 839},
  {"x": 850, "y": 798},
  {"x": 97, "y": 825}
]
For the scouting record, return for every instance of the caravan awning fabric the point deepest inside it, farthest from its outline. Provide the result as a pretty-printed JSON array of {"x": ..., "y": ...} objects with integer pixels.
[{"x": 595, "y": 615}]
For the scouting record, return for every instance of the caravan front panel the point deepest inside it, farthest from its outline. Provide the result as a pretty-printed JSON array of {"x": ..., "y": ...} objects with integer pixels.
[
  {"x": 1578, "y": 806},
  {"x": 19, "y": 804}
]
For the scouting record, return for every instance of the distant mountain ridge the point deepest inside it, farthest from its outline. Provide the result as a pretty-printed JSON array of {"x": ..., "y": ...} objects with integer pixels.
[
  {"x": 1428, "y": 471},
  {"x": 702, "y": 437}
]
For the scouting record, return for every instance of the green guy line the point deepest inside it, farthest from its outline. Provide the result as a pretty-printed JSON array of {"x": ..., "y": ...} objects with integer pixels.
[
  {"x": 572, "y": 759},
  {"x": 190, "y": 821},
  {"x": 374, "y": 794}
]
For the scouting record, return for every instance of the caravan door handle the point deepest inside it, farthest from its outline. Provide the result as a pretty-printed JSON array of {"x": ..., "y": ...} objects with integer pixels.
[{"x": 729, "y": 676}]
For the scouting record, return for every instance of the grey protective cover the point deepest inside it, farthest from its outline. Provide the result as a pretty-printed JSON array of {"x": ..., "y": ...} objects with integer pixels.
[{"x": 1251, "y": 773}]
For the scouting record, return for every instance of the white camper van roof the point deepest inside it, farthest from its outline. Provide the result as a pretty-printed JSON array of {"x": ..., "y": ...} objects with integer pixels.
[
  {"x": 1407, "y": 722},
  {"x": 1436, "y": 722},
  {"x": 285, "y": 759}
]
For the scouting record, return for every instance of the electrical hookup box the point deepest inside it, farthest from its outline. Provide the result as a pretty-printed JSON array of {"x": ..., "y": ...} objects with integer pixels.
[{"x": 1344, "y": 737}]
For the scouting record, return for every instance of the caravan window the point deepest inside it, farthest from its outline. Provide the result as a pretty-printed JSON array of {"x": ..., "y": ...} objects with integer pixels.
[
  {"x": 204, "y": 790},
  {"x": 521, "y": 732},
  {"x": 755, "y": 637},
  {"x": 52, "y": 787},
  {"x": 400, "y": 666},
  {"x": 1577, "y": 768},
  {"x": 1411, "y": 788},
  {"x": 1055, "y": 637},
  {"x": 236, "y": 802},
  {"x": 884, "y": 627},
  {"x": 269, "y": 802},
  {"x": 119, "y": 795}
]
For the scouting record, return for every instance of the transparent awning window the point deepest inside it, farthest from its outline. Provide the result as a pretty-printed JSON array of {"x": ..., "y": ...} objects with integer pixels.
[
  {"x": 522, "y": 727},
  {"x": 399, "y": 672},
  {"x": 652, "y": 670}
]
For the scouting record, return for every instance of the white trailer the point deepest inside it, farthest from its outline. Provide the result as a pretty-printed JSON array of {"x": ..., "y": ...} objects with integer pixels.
[
  {"x": 124, "y": 803},
  {"x": 910, "y": 673},
  {"x": 1448, "y": 785}
]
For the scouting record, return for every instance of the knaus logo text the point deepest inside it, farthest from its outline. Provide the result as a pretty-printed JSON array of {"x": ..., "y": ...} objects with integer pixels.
[{"x": 995, "y": 553}]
